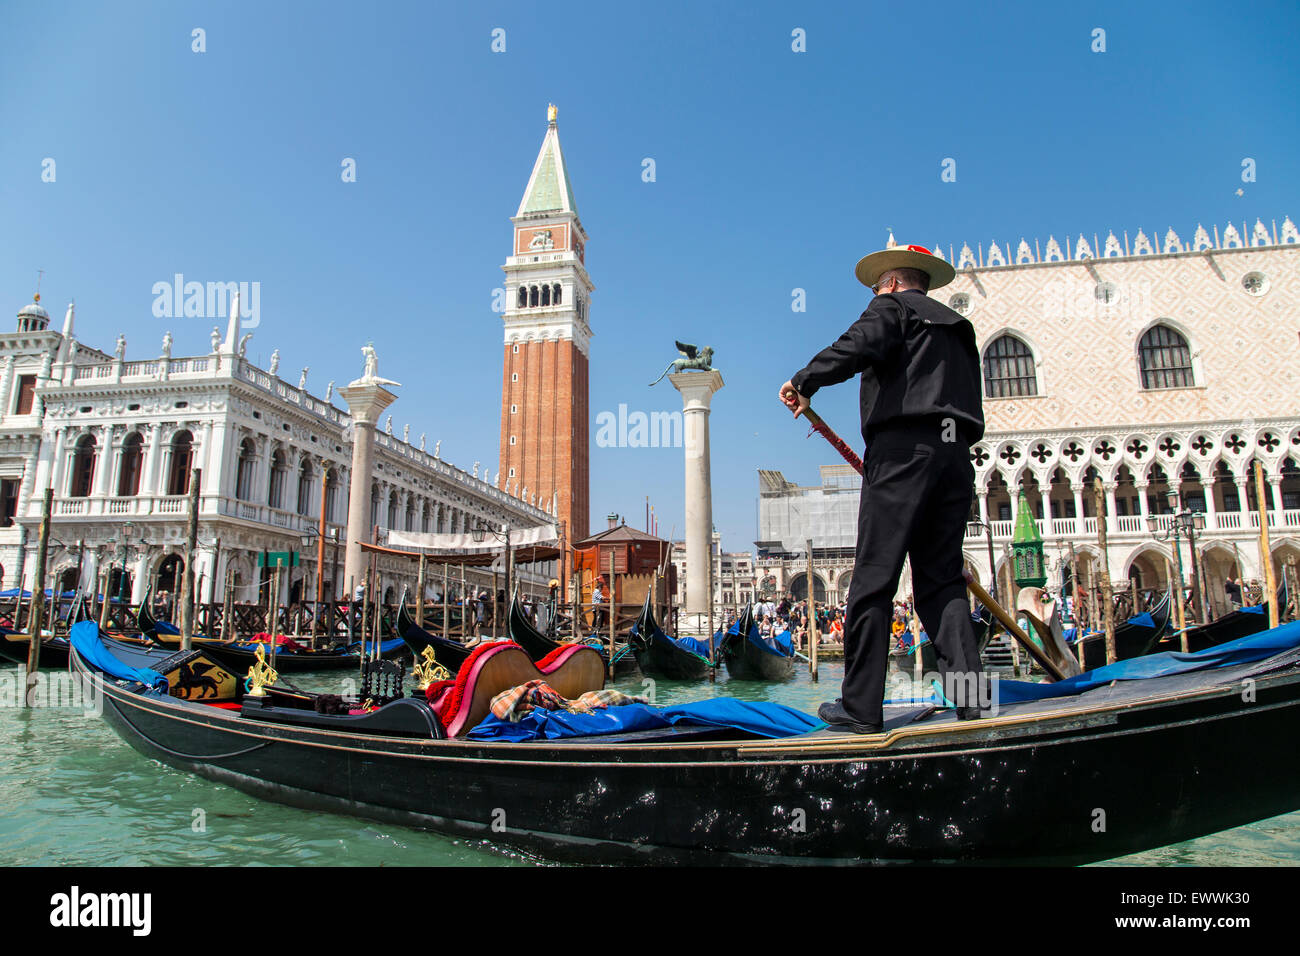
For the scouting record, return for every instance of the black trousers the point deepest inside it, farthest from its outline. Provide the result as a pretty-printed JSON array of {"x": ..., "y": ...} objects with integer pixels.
[{"x": 916, "y": 498}]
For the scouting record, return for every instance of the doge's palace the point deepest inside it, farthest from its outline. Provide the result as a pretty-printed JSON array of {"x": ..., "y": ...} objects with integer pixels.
[{"x": 1152, "y": 362}]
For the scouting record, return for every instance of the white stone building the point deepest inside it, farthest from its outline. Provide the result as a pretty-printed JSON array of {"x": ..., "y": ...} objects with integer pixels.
[
  {"x": 115, "y": 440},
  {"x": 1149, "y": 363}
]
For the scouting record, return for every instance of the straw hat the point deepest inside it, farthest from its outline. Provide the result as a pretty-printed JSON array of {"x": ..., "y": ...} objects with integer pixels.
[{"x": 870, "y": 268}]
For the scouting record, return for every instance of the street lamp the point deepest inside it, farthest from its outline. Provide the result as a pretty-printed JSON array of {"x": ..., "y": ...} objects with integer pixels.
[
  {"x": 1181, "y": 520},
  {"x": 987, "y": 528}
]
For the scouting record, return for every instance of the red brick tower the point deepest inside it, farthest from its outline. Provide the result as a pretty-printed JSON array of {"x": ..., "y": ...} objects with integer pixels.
[{"x": 544, "y": 411}]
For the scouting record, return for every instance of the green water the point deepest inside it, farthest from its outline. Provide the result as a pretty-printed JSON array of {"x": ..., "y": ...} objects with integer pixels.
[{"x": 72, "y": 793}]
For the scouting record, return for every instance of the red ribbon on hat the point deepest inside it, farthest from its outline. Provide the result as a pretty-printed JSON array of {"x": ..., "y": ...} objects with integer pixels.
[{"x": 920, "y": 249}]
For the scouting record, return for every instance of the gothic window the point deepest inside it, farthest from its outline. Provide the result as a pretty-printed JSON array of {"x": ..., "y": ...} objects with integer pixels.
[
  {"x": 83, "y": 467},
  {"x": 374, "y": 505},
  {"x": 244, "y": 478},
  {"x": 546, "y": 295},
  {"x": 304, "y": 487},
  {"x": 556, "y": 296},
  {"x": 178, "y": 481},
  {"x": 410, "y": 514},
  {"x": 523, "y": 296},
  {"x": 128, "y": 477},
  {"x": 1165, "y": 359},
  {"x": 1009, "y": 369},
  {"x": 392, "y": 510},
  {"x": 532, "y": 296},
  {"x": 275, "y": 498},
  {"x": 424, "y": 520}
]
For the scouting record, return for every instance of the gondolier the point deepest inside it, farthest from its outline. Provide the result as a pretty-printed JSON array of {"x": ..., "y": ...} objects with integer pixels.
[{"x": 921, "y": 411}]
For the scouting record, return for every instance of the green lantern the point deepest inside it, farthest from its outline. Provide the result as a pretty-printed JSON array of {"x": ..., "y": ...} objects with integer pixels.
[{"x": 1027, "y": 548}]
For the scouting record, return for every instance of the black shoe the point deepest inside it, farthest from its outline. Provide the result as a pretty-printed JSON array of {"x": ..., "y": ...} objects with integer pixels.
[{"x": 840, "y": 719}]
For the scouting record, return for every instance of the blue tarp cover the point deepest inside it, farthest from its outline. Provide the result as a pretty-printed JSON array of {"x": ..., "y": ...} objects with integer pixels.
[
  {"x": 1257, "y": 647},
  {"x": 86, "y": 640},
  {"x": 765, "y": 719},
  {"x": 782, "y": 644}
]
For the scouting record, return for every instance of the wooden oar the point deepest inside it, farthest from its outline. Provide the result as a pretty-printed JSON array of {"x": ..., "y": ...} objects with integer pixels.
[{"x": 972, "y": 585}]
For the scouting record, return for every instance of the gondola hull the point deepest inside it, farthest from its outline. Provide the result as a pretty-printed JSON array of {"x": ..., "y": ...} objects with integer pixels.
[
  {"x": 752, "y": 658},
  {"x": 1174, "y": 759},
  {"x": 663, "y": 658}
]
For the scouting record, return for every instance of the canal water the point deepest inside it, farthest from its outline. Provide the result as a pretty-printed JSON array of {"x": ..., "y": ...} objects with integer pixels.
[{"x": 72, "y": 793}]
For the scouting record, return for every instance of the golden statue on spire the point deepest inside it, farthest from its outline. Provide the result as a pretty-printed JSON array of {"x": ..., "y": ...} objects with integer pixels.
[{"x": 550, "y": 112}]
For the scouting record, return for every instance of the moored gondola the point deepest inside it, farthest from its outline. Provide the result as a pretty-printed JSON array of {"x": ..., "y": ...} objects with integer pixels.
[
  {"x": 538, "y": 646},
  {"x": 1136, "y": 637},
  {"x": 291, "y": 657},
  {"x": 677, "y": 658},
  {"x": 1232, "y": 626},
  {"x": 450, "y": 654},
  {"x": 751, "y": 656},
  {"x": 1171, "y": 757}
]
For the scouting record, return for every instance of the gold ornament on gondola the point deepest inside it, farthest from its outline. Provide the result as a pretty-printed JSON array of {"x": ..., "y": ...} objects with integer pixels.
[
  {"x": 261, "y": 675},
  {"x": 430, "y": 670}
]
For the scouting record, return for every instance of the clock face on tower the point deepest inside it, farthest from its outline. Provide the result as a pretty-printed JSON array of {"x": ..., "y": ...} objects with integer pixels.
[{"x": 533, "y": 239}]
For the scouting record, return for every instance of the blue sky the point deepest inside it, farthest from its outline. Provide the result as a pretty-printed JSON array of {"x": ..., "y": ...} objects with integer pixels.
[{"x": 775, "y": 170}]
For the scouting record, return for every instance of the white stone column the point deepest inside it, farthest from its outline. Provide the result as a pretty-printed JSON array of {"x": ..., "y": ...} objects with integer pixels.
[
  {"x": 697, "y": 390},
  {"x": 366, "y": 400}
]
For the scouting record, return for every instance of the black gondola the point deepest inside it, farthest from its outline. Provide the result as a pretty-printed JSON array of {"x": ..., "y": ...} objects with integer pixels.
[
  {"x": 1136, "y": 637},
  {"x": 241, "y": 655},
  {"x": 524, "y": 633},
  {"x": 450, "y": 654},
  {"x": 1242, "y": 622},
  {"x": 749, "y": 656},
  {"x": 659, "y": 655},
  {"x": 1170, "y": 758},
  {"x": 15, "y": 647}
]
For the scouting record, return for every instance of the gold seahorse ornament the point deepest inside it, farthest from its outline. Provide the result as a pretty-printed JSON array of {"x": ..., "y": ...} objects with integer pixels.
[
  {"x": 261, "y": 675},
  {"x": 430, "y": 670}
]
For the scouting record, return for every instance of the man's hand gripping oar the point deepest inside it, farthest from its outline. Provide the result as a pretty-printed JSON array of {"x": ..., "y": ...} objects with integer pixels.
[{"x": 799, "y": 405}]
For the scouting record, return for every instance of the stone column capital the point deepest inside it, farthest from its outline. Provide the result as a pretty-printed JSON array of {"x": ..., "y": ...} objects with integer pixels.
[
  {"x": 697, "y": 388},
  {"x": 366, "y": 401}
]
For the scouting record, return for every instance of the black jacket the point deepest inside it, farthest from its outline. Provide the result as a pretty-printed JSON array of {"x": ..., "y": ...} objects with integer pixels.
[{"x": 918, "y": 360}]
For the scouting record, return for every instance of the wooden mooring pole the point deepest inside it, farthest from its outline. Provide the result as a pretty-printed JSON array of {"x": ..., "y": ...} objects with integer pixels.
[
  {"x": 1265, "y": 553},
  {"x": 36, "y": 619},
  {"x": 188, "y": 580},
  {"x": 1107, "y": 602}
]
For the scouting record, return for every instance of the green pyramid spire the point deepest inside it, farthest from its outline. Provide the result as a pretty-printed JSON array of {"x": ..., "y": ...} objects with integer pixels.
[
  {"x": 1027, "y": 546},
  {"x": 549, "y": 188}
]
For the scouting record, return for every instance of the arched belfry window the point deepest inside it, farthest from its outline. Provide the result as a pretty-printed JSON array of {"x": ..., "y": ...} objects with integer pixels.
[
  {"x": 1165, "y": 359},
  {"x": 546, "y": 295},
  {"x": 556, "y": 297},
  {"x": 1009, "y": 369},
  {"x": 523, "y": 296},
  {"x": 532, "y": 297}
]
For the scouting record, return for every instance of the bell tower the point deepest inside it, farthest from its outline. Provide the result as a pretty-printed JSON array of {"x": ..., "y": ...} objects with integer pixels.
[{"x": 544, "y": 412}]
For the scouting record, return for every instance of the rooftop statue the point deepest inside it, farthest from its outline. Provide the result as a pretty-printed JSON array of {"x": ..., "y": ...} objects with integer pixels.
[
  {"x": 370, "y": 374},
  {"x": 693, "y": 358}
]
